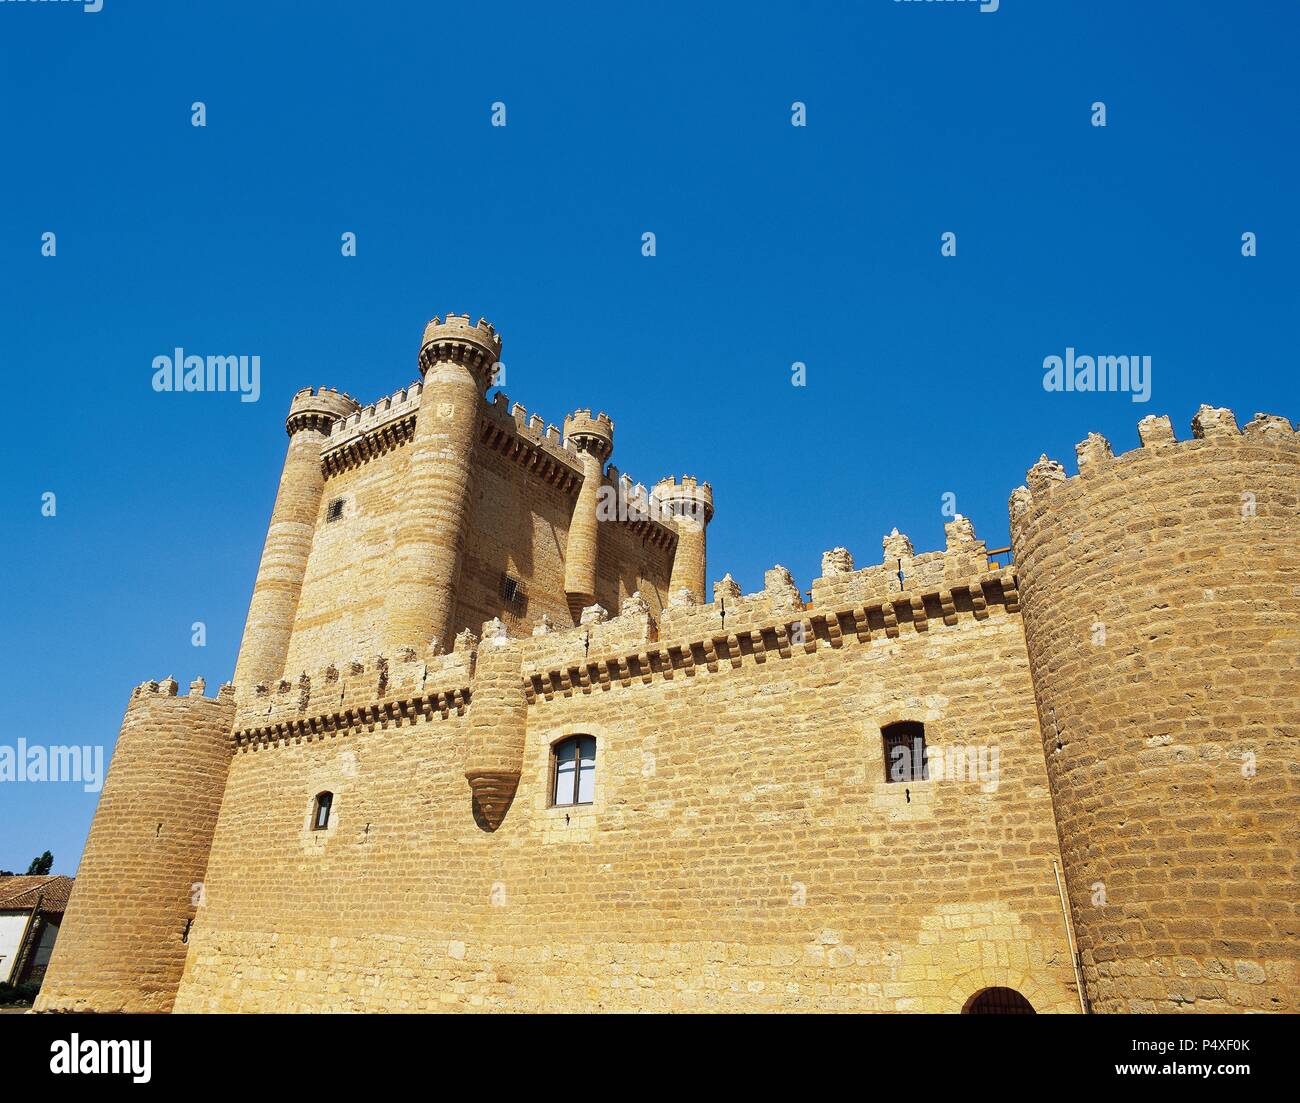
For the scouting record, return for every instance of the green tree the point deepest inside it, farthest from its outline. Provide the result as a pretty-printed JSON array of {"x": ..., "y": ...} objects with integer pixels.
[{"x": 41, "y": 866}]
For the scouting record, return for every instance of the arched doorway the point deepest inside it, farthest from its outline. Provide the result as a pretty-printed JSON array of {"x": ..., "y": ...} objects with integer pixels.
[{"x": 998, "y": 1001}]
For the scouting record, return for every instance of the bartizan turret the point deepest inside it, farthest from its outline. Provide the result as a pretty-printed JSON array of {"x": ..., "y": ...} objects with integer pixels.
[
  {"x": 687, "y": 505},
  {"x": 593, "y": 440},
  {"x": 122, "y": 943},
  {"x": 457, "y": 360},
  {"x": 498, "y": 719},
  {"x": 288, "y": 538},
  {"x": 1161, "y": 600}
]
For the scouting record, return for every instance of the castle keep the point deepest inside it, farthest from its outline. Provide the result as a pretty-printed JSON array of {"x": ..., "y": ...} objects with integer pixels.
[{"x": 489, "y": 746}]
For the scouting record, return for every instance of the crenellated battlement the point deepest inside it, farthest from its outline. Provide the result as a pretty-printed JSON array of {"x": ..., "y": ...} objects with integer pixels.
[
  {"x": 364, "y": 433},
  {"x": 318, "y": 409},
  {"x": 686, "y": 497},
  {"x": 533, "y": 426},
  {"x": 405, "y": 400},
  {"x": 324, "y": 394},
  {"x": 372, "y": 430},
  {"x": 597, "y": 632},
  {"x": 381, "y": 691},
  {"x": 168, "y": 687},
  {"x": 123, "y": 941},
  {"x": 964, "y": 557},
  {"x": 453, "y": 325},
  {"x": 383, "y": 718},
  {"x": 453, "y": 339},
  {"x": 633, "y": 645},
  {"x": 691, "y": 638},
  {"x": 1160, "y": 608},
  {"x": 582, "y": 432},
  {"x": 1211, "y": 427}
]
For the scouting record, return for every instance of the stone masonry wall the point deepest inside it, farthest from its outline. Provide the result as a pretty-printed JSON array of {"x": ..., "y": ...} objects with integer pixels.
[
  {"x": 518, "y": 526},
  {"x": 743, "y": 852},
  {"x": 1161, "y": 596},
  {"x": 122, "y": 943},
  {"x": 341, "y": 610}
]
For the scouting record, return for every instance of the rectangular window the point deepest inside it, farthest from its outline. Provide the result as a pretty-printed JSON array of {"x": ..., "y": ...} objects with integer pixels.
[
  {"x": 905, "y": 755},
  {"x": 512, "y": 590},
  {"x": 565, "y": 767},
  {"x": 586, "y": 771},
  {"x": 574, "y": 765},
  {"x": 321, "y": 815},
  {"x": 335, "y": 510}
]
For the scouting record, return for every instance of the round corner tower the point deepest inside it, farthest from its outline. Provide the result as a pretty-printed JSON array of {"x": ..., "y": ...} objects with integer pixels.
[
  {"x": 123, "y": 941},
  {"x": 592, "y": 438},
  {"x": 1161, "y": 599},
  {"x": 687, "y": 506},
  {"x": 457, "y": 361},
  {"x": 265, "y": 645}
]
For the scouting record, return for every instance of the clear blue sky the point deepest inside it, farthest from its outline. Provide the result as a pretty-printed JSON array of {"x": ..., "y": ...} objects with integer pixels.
[{"x": 774, "y": 244}]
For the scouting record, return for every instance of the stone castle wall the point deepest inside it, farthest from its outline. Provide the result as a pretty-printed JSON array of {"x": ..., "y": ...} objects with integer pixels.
[
  {"x": 1161, "y": 596},
  {"x": 743, "y": 852},
  {"x": 1132, "y": 738},
  {"x": 523, "y": 500},
  {"x": 123, "y": 941}
]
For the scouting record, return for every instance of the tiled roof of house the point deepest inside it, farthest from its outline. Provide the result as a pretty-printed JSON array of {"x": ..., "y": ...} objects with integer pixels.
[{"x": 21, "y": 893}]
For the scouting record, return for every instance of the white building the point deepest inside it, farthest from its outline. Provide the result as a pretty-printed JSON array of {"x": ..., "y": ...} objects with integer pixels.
[{"x": 31, "y": 909}]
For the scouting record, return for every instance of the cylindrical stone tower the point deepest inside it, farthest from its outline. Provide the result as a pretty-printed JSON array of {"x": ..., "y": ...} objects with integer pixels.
[
  {"x": 594, "y": 440},
  {"x": 288, "y": 538},
  {"x": 122, "y": 944},
  {"x": 688, "y": 507},
  {"x": 1161, "y": 599},
  {"x": 498, "y": 720},
  {"x": 457, "y": 360}
]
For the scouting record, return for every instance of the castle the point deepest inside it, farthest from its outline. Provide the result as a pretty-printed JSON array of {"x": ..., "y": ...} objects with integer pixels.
[{"x": 488, "y": 747}]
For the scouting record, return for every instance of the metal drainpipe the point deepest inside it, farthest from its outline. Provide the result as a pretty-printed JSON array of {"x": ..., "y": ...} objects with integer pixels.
[{"x": 1069, "y": 935}]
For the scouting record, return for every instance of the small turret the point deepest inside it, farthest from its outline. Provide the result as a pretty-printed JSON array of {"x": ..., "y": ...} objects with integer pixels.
[
  {"x": 319, "y": 409},
  {"x": 454, "y": 340},
  {"x": 687, "y": 505},
  {"x": 457, "y": 360},
  {"x": 498, "y": 719},
  {"x": 278, "y": 586},
  {"x": 593, "y": 440},
  {"x": 585, "y": 433}
]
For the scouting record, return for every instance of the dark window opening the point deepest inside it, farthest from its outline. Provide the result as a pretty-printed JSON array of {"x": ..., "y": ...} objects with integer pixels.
[
  {"x": 320, "y": 816},
  {"x": 512, "y": 590},
  {"x": 335, "y": 510},
  {"x": 573, "y": 769},
  {"x": 905, "y": 756}
]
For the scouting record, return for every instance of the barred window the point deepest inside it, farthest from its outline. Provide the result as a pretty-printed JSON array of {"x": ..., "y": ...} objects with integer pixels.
[
  {"x": 904, "y": 744},
  {"x": 514, "y": 597},
  {"x": 335, "y": 510}
]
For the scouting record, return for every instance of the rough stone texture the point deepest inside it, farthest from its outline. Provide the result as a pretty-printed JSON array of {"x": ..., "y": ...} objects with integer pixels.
[
  {"x": 122, "y": 943},
  {"x": 456, "y": 360},
  {"x": 743, "y": 852},
  {"x": 1161, "y": 596},
  {"x": 744, "y": 849},
  {"x": 584, "y": 531},
  {"x": 496, "y": 729},
  {"x": 688, "y": 506},
  {"x": 523, "y": 500},
  {"x": 289, "y": 537}
]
